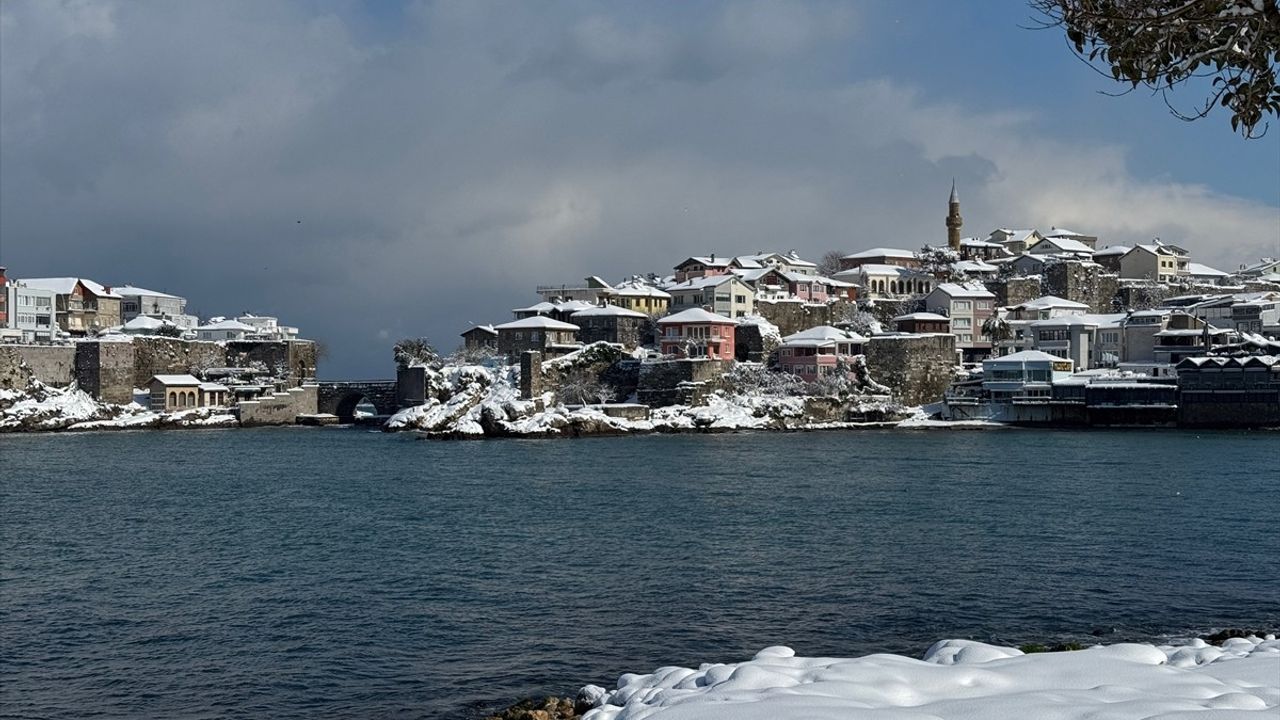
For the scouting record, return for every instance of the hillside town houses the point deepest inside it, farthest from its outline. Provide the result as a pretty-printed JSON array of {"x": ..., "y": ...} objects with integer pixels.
[
  {"x": 1055, "y": 304},
  {"x": 67, "y": 312}
]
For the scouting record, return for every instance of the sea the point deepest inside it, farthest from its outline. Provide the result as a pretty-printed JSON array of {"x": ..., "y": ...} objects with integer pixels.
[{"x": 343, "y": 573}]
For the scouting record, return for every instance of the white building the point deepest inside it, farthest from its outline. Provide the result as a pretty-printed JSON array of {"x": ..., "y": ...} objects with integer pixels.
[
  {"x": 222, "y": 330},
  {"x": 726, "y": 295},
  {"x": 32, "y": 314},
  {"x": 135, "y": 301},
  {"x": 968, "y": 307}
]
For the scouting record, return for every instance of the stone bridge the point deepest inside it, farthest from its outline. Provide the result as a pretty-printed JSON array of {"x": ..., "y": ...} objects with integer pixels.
[{"x": 341, "y": 398}]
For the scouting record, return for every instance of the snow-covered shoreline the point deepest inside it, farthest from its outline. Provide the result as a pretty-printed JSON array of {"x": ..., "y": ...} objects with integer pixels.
[
  {"x": 40, "y": 408},
  {"x": 962, "y": 679}
]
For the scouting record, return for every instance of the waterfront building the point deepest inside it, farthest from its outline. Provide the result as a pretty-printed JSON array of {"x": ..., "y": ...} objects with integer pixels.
[
  {"x": 174, "y": 392},
  {"x": 697, "y": 333},
  {"x": 1229, "y": 391}
]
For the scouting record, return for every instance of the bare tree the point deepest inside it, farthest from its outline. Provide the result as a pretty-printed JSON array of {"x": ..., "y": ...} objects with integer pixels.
[
  {"x": 1164, "y": 44},
  {"x": 830, "y": 263}
]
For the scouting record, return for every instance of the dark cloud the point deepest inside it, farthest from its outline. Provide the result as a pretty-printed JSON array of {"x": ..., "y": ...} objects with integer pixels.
[{"x": 445, "y": 159}]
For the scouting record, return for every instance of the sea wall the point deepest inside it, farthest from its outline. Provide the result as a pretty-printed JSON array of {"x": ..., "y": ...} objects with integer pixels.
[
  {"x": 917, "y": 368},
  {"x": 50, "y": 364},
  {"x": 292, "y": 360},
  {"x": 279, "y": 408}
]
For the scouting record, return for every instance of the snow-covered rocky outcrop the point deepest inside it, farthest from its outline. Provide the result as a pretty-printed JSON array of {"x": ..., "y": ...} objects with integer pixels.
[
  {"x": 39, "y": 407},
  {"x": 963, "y": 679},
  {"x": 477, "y": 401}
]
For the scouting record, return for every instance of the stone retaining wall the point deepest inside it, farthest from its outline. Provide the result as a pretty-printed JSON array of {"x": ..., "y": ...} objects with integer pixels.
[
  {"x": 50, "y": 364},
  {"x": 917, "y": 368}
]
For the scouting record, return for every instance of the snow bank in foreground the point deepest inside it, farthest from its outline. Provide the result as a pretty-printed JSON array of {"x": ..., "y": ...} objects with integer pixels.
[{"x": 964, "y": 679}]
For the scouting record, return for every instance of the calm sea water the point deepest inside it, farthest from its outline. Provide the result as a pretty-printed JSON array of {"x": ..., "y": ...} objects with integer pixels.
[{"x": 299, "y": 573}]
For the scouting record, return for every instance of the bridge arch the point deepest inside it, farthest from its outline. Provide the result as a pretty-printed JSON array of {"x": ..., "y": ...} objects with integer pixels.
[{"x": 341, "y": 398}]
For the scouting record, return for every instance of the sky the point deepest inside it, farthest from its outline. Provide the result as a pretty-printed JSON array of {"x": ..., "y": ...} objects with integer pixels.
[{"x": 370, "y": 171}]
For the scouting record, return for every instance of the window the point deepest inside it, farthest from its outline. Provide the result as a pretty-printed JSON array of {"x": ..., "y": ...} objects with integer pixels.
[
  {"x": 740, "y": 299},
  {"x": 960, "y": 305},
  {"x": 961, "y": 323},
  {"x": 984, "y": 305}
]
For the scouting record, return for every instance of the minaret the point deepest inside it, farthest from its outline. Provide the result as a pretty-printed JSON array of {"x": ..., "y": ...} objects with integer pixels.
[{"x": 954, "y": 221}]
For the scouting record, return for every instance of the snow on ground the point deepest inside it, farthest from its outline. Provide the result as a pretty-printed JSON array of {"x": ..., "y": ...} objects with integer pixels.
[
  {"x": 964, "y": 679},
  {"x": 924, "y": 417},
  {"x": 41, "y": 407}
]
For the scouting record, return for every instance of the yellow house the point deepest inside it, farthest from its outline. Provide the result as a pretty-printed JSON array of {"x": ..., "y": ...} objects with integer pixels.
[
  {"x": 640, "y": 297},
  {"x": 174, "y": 392}
]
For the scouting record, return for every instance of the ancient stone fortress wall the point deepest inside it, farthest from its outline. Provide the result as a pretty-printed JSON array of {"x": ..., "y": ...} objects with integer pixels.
[
  {"x": 105, "y": 370},
  {"x": 660, "y": 382},
  {"x": 50, "y": 364},
  {"x": 792, "y": 316},
  {"x": 917, "y": 368},
  {"x": 164, "y": 356}
]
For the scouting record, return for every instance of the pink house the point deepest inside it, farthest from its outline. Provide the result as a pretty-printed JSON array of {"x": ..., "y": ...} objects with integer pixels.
[
  {"x": 818, "y": 351},
  {"x": 697, "y": 333}
]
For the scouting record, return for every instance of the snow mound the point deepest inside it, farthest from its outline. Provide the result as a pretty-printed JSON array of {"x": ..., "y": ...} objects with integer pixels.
[
  {"x": 965, "y": 679},
  {"x": 40, "y": 407}
]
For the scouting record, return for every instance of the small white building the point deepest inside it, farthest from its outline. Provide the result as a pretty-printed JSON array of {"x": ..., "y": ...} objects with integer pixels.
[
  {"x": 222, "y": 330},
  {"x": 1026, "y": 374}
]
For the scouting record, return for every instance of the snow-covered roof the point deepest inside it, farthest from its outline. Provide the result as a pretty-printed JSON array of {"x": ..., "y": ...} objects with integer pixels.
[
  {"x": 979, "y": 243},
  {"x": 696, "y": 315},
  {"x": 1025, "y": 356},
  {"x": 1057, "y": 232},
  {"x": 705, "y": 281},
  {"x": 175, "y": 379},
  {"x": 1063, "y": 244},
  {"x": 572, "y": 306},
  {"x": 608, "y": 311},
  {"x": 963, "y": 291},
  {"x": 487, "y": 329},
  {"x": 1159, "y": 249},
  {"x": 821, "y": 336},
  {"x": 1112, "y": 250},
  {"x": 881, "y": 252},
  {"x": 213, "y": 387},
  {"x": 143, "y": 322},
  {"x": 537, "y": 322},
  {"x": 1200, "y": 270},
  {"x": 542, "y": 307},
  {"x": 637, "y": 289},
  {"x": 125, "y": 290},
  {"x": 65, "y": 285},
  {"x": 1046, "y": 302},
  {"x": 228, "y": 325},
  {"x": 877, "y": 269},
  {"x": 973, "y": 266},
  {"x": 1016, "y": 235},
  {"x": 709, "y": 261},
  {"x": 923, "y": 316}
]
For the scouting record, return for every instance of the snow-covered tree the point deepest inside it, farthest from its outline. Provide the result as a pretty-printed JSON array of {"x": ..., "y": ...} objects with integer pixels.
[
  {"x": 996, "y": 329},
  {"x": 415, "y": 352},
  {"x": 1164, "y": 44},
  {"x": 937, "y": 261}
]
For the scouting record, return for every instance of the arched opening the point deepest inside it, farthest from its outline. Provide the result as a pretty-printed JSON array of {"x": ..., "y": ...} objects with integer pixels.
[
  {"x": 182, "y": 399},
  {"x": 173, "y": 398},
  {"x": 356, "y": 407}
]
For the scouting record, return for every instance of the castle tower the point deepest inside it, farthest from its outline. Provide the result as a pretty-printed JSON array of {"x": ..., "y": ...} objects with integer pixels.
[{"x": 954, "y": 221}]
